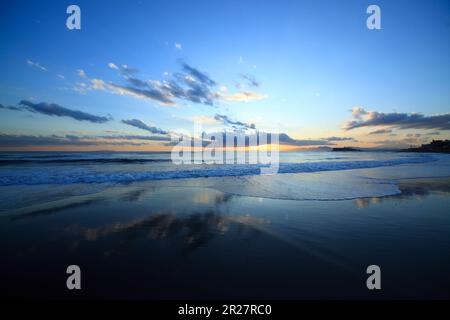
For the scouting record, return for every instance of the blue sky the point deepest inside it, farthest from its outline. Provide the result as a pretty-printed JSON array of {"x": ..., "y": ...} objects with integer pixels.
[{"x": 312, "y": 61}]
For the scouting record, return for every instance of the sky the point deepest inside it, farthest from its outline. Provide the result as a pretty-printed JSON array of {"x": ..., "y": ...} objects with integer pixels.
[{"x": 138, "y": 71}]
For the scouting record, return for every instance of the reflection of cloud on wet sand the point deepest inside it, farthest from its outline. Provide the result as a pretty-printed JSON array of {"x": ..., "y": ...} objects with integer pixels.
[
  {"x": 40, "y": 211},
  {"x": 211, "y": 198},
  {"x": 136, "y": 195},
  {"x": 413, "y": 188},
  {"x": 190, "y": 231}
]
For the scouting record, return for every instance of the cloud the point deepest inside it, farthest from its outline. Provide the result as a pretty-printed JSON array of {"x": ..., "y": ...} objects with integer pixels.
[
  {"x": 81, "y": 73},
  {"x": 36, "y": 65},
  {"x": 434, "y": 133},
  {"x": 178, "y": 46},
  {"x": 141, "y": 125},
  {"x": 285, "y": 139},
  {"x": 52, "y": 109},
  {"x": 60, "y": 76},
  {"x": 113, "y": 66},
  {"x": 190, "y": 84},
  {"x": 146, "y": 93},
  {"x": 198, "y": 75},
  {"x": 127, "y": 70},
  {"x": 358, "y": 112},
  {"x": 189, "y": 89},
  {"x": 81, "y": 87},
  {"x": 413, "y": 135},
  {"x": 381, "y": 131},
  {"x": 123, "y": 69},
  {"x": 10, "y": 108},
  {"x": 339, "y": 139},
  {"x": 251, "y": 80},
  {"x": 363, "y": 118},
  {"x": 245, "y": 96},
  {"x": 137, "y": 137},
  {"x": 235, "y": 124},
  {"x": 11, "y": 140},
  {"x": 203, "y": 119},
  {"x": 149, "y": 93}
]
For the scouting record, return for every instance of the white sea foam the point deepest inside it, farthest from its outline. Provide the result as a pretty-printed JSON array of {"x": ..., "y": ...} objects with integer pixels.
[{"x": 37, "y": 175}]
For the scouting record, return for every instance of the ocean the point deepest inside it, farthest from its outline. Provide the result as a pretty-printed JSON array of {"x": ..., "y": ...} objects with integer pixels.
[{"x": 140, "y": 226}]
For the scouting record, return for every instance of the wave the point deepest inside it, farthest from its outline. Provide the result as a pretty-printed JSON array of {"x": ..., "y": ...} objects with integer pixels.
[{"x": 36, "y": 176}]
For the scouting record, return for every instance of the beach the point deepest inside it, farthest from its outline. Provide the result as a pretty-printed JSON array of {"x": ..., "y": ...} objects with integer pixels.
[{"x": 306, "y": 234}]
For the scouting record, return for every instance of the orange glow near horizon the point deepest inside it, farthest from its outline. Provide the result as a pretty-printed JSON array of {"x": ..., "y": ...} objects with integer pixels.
[
  {"x": 163, "y": 148},
  {"x": 153, "y": 148}
]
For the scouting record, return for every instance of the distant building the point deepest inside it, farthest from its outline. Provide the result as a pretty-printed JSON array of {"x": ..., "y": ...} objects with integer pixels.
[{"x": 433, "y": 146}]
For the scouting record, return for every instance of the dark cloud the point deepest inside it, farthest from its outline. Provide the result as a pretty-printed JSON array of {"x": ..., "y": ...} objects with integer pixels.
[
  {"x": 236, "y": 124},
  {"x": 363, "y": 118},
  {"x": 198, "y": 75},
  {"x": 339, "y": 139},
  {"x": 136, "y": 137},
  {"x": 52, "y": 109},
  {"x": 413, "y": 135},
  {"x": 287, "y": 140},
  {"x": 145, "y": 92},
  {"x": 381, "y": 131},
  {"x": 141, "y": 125},
  {"x": 251, "y": 80},
  {"x": 284, "y": 139},
  {"x": 190, "y": 84},
  {"x": 137, "y": 82},
  {"x": 11, "y": 140},
  {"x": 10, "y": 108}
]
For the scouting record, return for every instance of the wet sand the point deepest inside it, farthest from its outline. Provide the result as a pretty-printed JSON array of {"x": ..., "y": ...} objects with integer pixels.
[{"x": 158, "y": 240}]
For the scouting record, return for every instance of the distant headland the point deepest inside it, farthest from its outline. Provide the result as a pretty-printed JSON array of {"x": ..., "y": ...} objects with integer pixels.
[{"x": 346, "y": 149}]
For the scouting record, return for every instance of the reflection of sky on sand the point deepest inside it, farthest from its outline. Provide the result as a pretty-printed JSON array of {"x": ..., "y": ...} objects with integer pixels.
[
  {"x": 164, "y": 230},
  {"x": 190, "y": 231},
  {"x": 148, "y": 213},
  {"x": 413, "y": 188},
  {"x": 192, "y": 216}
]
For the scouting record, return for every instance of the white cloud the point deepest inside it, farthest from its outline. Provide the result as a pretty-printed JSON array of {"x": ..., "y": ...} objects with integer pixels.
[
  {"x": 113, "y": 66},
  {"x": 36, "y": 65},
  {"x": 98, "y": 84},
  {"x": 81, "y": 87},
  {"x": 81, "y": 73},
  {"x": 178, "y": 46},
  {"x": 245, "y": 96}
]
